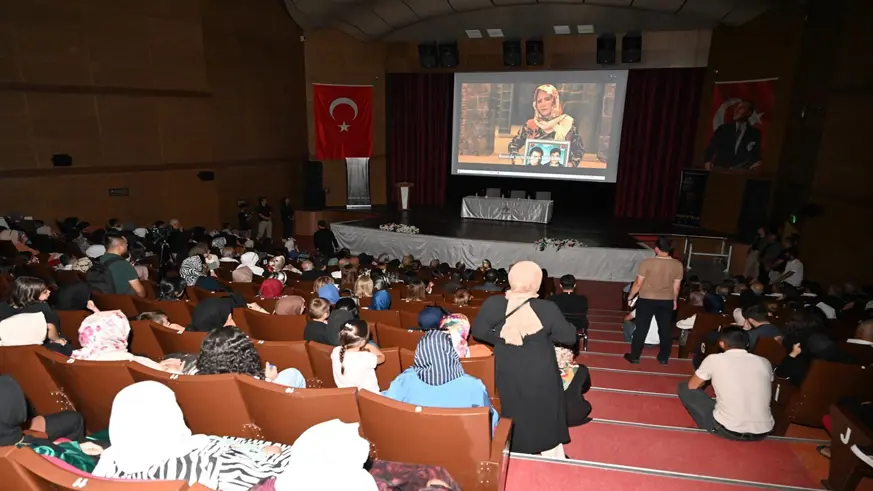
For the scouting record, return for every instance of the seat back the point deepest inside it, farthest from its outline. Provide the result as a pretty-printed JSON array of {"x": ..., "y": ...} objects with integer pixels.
[
  {"x": 517, "y": 194},
  {"x": 394, "y": 337},
  {"x": 143, "y": 341},
  {"x": 390, "y": 317},
  {"x": 861, "y": 354},
  {"x": 704, "y": 324},
  {"x": 67, "y": 277},
  {"x": 826, "y": 383},
  {"x": 91, "y": 385},
  {"x": 269, "y": 327},
  {"x": 770, "y": 349},
  {"x": 288, "y": 354},
  {"x": 175, "y": 309},
  {"x": 319, "y": 355},
  {"x": 106, "y": 301},
  {"x": 244, "y": 289},
  {"x": 389, "y": 370},
  {"x": 38, "y": 384},
  {"x": 35, "y": 472},
  {"x": 271, "y": 407},
  {"x": 70, "y": 322},
  {"x": 240, "y": 319},
  {"x": 408, "y": 319},
  {"x": 412, "y": 307},
  {"x": 481, "y": 367},
  {"x": 172, "y": 341},
  {"x": 458, "y": 440},
  {"x": 543, "y": 195},
  {"x": 212, "y": 404}
]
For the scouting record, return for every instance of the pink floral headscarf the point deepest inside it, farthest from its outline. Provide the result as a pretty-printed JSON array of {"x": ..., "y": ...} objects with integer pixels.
[
  {"x": 458, "y": 327},
  {"x": 103, "y": 332}
]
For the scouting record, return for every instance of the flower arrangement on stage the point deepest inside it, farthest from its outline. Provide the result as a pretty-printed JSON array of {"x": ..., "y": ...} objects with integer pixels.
[
  {"x": 399, "y": 228},
  {"x": 558, "y": 244}
]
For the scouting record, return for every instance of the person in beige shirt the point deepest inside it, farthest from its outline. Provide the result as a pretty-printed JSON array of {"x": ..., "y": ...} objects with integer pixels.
[
  {"x": 658, "y": 281},
  {"x": 742, "y": 384}
]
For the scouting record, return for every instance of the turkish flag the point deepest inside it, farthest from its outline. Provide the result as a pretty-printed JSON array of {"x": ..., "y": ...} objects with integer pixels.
[
  {"x": 343, "y": 121},
  {"x": 726, "y": 95}
]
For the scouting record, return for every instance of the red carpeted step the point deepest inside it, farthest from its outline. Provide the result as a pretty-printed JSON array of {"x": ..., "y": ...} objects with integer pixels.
[
  {"x": 629, "y": 380},
  {"x": 597, "y": 346},
  {"x": 529, "y": 475},
  {"x": 604, "y": 325},
  {"x": 768, "y": 461},
  {"x": 639, "y": 408},
  {"x": 647, "y": 364},
  {"x": 605, "y": 335}
]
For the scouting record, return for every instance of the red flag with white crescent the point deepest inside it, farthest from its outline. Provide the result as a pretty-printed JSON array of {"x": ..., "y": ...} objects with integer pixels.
[
  {"x": 343, "y": 121},
  {"x": 726, "y": 95}
]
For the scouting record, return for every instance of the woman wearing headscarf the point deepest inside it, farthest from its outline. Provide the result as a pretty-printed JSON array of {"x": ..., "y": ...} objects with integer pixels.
[
  {"x": 250, "y": 260},
  {"x": 150, "y": 441},
  {"x": 429, "y": 318},
  {"x": 437, "y": 379},
  {"x": 290, "y": 305},
  {"x": 95, "y": 251},
  {"x": 549, "y": 123},
  {"x": 104, "y": 336},
  {"x": 212, "y": 313},
  {"x": 576, "y": 381},
  {"x": 524, "y": 331},
  {"x": 194, "y": 271},
  {"x": 458, "y": 327},
  {"x": 66, "y": 425},
  {"x": 271, "y": 288}
]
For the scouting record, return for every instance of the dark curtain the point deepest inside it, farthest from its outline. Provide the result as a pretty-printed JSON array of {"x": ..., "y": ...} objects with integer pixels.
[
  {"x": 419, "y": 134},
  {"x": 657, "y": 140}
]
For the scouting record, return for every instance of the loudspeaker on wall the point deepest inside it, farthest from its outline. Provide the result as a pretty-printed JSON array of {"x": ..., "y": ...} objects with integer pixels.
[
  {"x": 534, "y": 54},
  {"x": 606, "y": 49},
  {"x": 632, "y": 48},
  {"x": 427, "y": 55},
  {"x": 512, "y": 53}
]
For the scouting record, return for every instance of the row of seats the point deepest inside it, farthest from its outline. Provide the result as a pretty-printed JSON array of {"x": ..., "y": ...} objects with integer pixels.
[{"x": 457, "y": 439}]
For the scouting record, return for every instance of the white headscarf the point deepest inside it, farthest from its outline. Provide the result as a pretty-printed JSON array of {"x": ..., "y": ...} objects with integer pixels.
[
  {"x": 23, "y": 330},
  {"x": 140, "y": 232},
  {"x": 250, "y": 260},
  {"x": 95, "y": 251},
  {"x": 146, "y": 428},
  {"x": 327, "y": 457}
]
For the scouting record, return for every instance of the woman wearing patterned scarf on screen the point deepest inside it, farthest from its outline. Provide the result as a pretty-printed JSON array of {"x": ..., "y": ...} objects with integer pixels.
[{"x": 549, "y": 123}]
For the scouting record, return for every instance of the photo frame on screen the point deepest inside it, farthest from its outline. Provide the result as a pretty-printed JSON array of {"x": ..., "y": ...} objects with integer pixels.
[{"x": 546, "y": 153}]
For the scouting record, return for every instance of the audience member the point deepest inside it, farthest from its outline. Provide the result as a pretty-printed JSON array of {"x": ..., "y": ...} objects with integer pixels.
[
  {"x": 104, "y": 336},
  {"x": 212, "y": 313},
  {"x": 455, "y": 282},
  {"x": 271, "y": 288},
  {"x": 123, "y": 274},
  {"x": 577, "y": 382},
  {"x": 171, "y": 288},
  {"x": 150, "y": 441},
  {"x": 437, "y": 379},
  {"x": 316, "y": 328},
  {"x": 429, "y": 318},
  {"x": 458, "y": 327},
  {"x": 329, "y": 291},
  {"x": 29, "y": 296},
  {"x": 490, "y": 284},
  {"x": 807, "y": 340},
  {"x": 290, "y": 305},
  {"x": 381, "y": 296},
  {"x": 325, "y": 240},
  {"x": 249, "y": 261},
  {"x": 571, "y": 304},
  {"x": 229, "y": 350},
  {"x": 462, "y": 298},
  {"x": 793, "y": 273},
  {"x": 741, "y": 381},
  {"x": 363, "y": 287},
  {"x": 757, "y": 325},
  {"x": 160, "y": 318},
  {"x": 416, "y": 291},
  {"x": 355, "y": 360}
]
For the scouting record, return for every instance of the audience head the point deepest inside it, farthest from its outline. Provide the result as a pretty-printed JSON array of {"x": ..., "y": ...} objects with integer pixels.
[
  {"x": 712, "y": 303},
  {"x": 319, "y": 309},
  {"x": 486, "y": 264},
  {"x": 103, "y": 332},
  {"x": 434, "y": 263},
  {"x": 320, "y": 282},
  {"x": 213, "y": 313},
  {"x": 307, "y": 265},
  {"x": 380, "y": 283},
  {"x": 322, "y": 224},
  {"x": 229, "y": 350},
  {"x": 354, "y": 333},
  {"x": 276, "y": 263},
  {"x": 865, "y": 331},
  {"x": 416, "y": 291},
  {"x": 568, "y": 283},
  {"x": 462, "y": 297},
  {"x": 430, "y": 317},
  {"x": 158, "y": 317},
  {"x": 115, "y": 243},
  {"x": 757, "y": 288},
  {"x": 663, "y": 246},
  {"x": 456, "y": 277},
  {"x": 28, "y": 290},
  {"x": 348, "y": 276},
  {"x": 171, "y": 288},
  {"x": 436, "y": 361},
  {"x": 458, "y": 327},
  {"x": 227, "y": 253},
  {"x": 490, "y": 276},
  {"x": 347, "y": 304},
  {"x": 723, "y": 290},
  {"x": 756, "y": 315},
  {"x": 271, "y": 288},
  {"x": 363, "y": 287},
  {"x": 525, "y": 277},
  {"x": 733, "y": 338}
]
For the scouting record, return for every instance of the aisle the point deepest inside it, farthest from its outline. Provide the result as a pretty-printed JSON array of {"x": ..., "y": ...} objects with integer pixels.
[{"x": 642, "y": 438}]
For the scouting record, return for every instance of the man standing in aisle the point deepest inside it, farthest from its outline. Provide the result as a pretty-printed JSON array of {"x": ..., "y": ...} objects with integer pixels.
[
  {"x": 265, "y": 219},
  {"x": 658, "y": 281}
]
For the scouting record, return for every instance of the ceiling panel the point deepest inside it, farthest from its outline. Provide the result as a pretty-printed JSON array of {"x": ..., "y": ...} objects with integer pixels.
[
  {"x": 462, "y": 5},
  {"x": 744, "y": 13},
  {"x": 501, "y": 3},
  {"x": 610, "y": 3},
  {"x": 395, "y": 12},
  {"x": 313, "y": 6},
  {"x": 367, "y": 21},
  {"x": 658, "y": 5},
  {"x": 708, "y": 9},
  {"x": 429, "y": 8}
]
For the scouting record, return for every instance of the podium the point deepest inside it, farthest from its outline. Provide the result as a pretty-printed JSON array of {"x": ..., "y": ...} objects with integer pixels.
[{"x": 403, "y": 194}]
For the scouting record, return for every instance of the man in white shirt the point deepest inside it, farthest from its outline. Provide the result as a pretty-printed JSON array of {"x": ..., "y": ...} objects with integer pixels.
[
  {"x": 793, "y": 274},
  {"x": 741, "y": 380}
]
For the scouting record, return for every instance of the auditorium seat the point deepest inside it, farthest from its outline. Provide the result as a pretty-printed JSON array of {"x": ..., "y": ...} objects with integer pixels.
[
  {"x": 390, "y": 317},
  {"x": 481, "y": 367},
  {"x": 200, "y": 294},
  {"x": 143, "y": 341},
  {"x": 319, "y": 355},
  {"x": 67, "y": 277},
  {"x": 408, "y": 319},
  {"x": 275, "y": 327},
  {"x": 847, "y": 431},
  {"x": 212, "y": 404},
  {"x": 770, "y": 349},
  {"x": 24, "y": 470},
  {"x": 458, "y": 440},
  {"x": 288, "y": 354},
  {"x": 268, "y": 304},
  {"x": 70, "y": 322},
  {"x": 364, "y": 302},
  {"x": 41, "y": 271},
  {"x": 704, "y": 324},
  {"x": 862, "y": 354},
  {"x": 411, "y": 307},
  {"x": 172, "y": 341},
  {"x": 7, "y": 249},
  {"x": 283, "y": 414},
  {"x": 825, "y": 383},
  {"x": 90, "y": 385},
  {"x": 150, "y": 287},
  {"x": 390, "y": 336},
  {"x": 240, "y": 319},
  {"x": 389, "y": 370},
  {"x": 244, "y": 289},
  {"x": 124, "y": 303},
  {"x": 38, "y": 384},
  {"x": 176, "y": 311}
]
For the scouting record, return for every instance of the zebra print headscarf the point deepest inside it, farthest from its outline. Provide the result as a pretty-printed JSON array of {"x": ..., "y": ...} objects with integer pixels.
[{"x": 436, "y": 361}]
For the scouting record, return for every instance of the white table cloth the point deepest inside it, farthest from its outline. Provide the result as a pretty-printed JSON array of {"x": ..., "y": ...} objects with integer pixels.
[{"x": 508, "y": 209}]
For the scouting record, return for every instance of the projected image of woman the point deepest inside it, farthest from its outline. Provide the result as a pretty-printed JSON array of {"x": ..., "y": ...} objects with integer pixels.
[{"x": 550, "y": 123}]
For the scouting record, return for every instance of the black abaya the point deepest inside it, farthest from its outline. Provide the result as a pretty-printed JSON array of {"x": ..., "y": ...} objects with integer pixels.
[{"x": 528, "y": 380}]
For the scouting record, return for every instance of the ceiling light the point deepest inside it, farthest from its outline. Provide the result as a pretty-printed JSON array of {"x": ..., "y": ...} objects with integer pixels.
[
  {"x": 585, "y": 29},
  {"x": 494, "y": 33},
  {"x": 562, "y": 29},
  {"x": 474, "y": 33}
]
